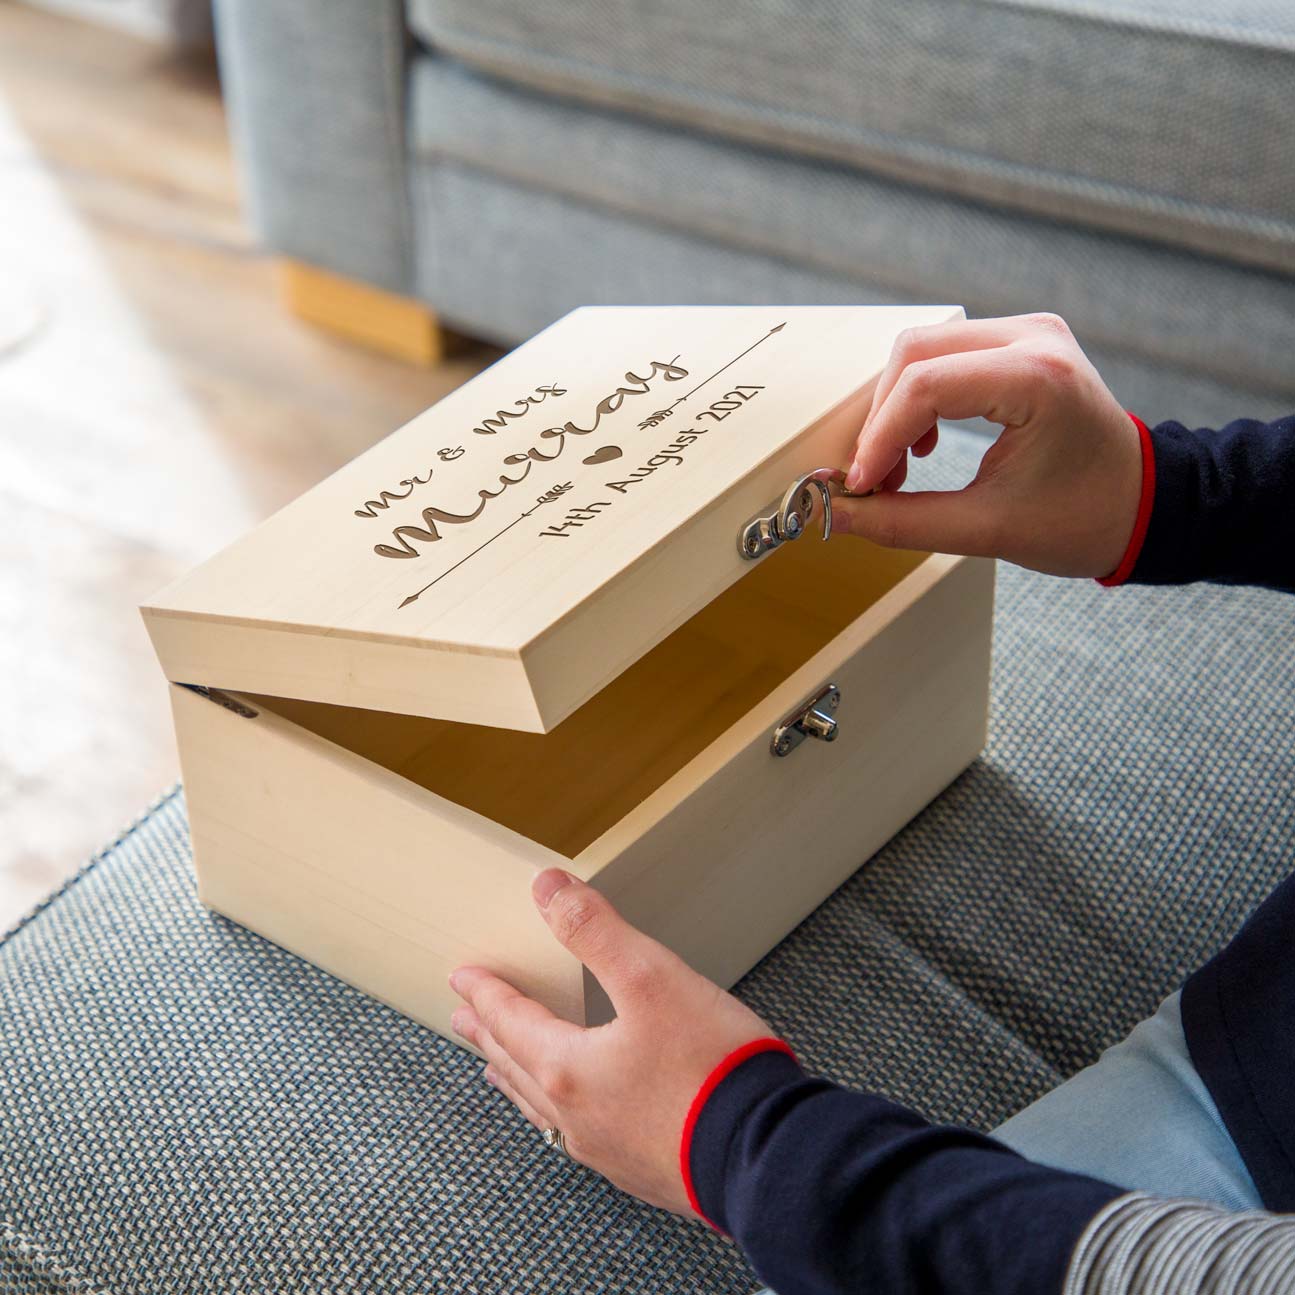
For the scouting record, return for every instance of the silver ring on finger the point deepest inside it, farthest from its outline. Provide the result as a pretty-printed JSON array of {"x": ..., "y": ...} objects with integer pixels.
[{"x": 553, "y": 1138}]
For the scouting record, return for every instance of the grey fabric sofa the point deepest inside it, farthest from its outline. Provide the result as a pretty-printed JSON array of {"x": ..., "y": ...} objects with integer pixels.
[{"x": 1128, "y": 163}]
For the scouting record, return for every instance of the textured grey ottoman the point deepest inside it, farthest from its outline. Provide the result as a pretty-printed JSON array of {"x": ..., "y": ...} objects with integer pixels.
[{"x": 185, "y": 1108}]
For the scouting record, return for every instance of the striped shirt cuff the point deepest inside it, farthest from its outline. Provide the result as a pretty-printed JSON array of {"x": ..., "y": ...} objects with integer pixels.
[{"x": 1148, "y": 1245}]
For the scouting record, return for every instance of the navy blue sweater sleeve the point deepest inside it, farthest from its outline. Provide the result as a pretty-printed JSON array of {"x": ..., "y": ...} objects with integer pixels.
[
  {"x": 1224, "y": 505},
  {"x": 1237, "y": 1014},
  {"x": 828, "y": 1190}
]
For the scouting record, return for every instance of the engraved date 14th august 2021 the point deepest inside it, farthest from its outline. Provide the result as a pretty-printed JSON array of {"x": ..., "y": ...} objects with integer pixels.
[{"x": 669, "y": 456}]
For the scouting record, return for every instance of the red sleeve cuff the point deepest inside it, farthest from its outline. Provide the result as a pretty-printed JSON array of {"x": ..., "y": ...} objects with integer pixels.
[
  {"x": 1146, "y": 499},
  {"x": 712, "y": 1082}
]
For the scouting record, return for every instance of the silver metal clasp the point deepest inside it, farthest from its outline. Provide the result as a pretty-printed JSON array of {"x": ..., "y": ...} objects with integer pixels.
[
  {"x": 788, "y": 518},
  {"x": 812, "y": 718}
]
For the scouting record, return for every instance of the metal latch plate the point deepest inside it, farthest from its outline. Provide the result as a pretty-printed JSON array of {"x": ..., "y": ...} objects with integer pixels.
[
  {"x": 787, "y": 518},
  {"x": 814, "y": 717}
]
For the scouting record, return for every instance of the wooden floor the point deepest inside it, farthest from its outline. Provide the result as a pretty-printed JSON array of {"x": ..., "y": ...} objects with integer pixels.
[{"x": 154, "y": 402}]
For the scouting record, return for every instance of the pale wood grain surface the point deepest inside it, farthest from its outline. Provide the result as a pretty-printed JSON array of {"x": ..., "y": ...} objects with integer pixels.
[
  {"x": 331, "y": 832},
  {"x": 756, "y": 843},
  {"x": 163, "y": 404},
  {"x": 377, "y": 880},
  {"x": 509, "y": 552},
  {"x": 564, "y": 789}
]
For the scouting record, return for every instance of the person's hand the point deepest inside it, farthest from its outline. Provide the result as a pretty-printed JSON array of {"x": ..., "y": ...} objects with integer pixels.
[
  {"x": 1057, "y": 491},
  {"x": 620, "y": 1092}
]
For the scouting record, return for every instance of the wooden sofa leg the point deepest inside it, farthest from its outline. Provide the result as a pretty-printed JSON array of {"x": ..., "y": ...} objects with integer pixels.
[{"x": 381, "y": 320}]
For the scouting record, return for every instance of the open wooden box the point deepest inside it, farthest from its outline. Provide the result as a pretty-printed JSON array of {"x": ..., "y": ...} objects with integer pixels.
[{"x": 583, "y": 659}]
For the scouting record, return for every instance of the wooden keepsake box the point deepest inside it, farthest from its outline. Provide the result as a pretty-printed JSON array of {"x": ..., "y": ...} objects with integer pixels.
[{"x": 578, "y": 613}]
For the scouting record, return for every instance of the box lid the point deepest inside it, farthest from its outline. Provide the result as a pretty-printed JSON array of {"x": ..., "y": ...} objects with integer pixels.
[{"x": 506, "y": 554}]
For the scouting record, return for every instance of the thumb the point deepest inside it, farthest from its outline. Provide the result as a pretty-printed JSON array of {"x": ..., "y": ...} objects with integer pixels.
[
  {"x": 621, "y": 957},
  {"x": 941, "y": 521}
]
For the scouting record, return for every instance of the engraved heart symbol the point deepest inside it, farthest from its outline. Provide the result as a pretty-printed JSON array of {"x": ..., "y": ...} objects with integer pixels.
[{"x": 604, "y": 454}]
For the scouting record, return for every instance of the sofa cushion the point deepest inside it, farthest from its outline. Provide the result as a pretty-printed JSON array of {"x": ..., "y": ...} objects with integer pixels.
[
  {"x": 185, "y": 1106},
  {"x": 1170, "y": 119},
  {"x": 1166, "y": 305},
  {"x": 501, "y": 260}
]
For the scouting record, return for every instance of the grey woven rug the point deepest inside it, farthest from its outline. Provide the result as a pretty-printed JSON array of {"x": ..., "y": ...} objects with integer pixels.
[{"x": 186, "y": 1108}]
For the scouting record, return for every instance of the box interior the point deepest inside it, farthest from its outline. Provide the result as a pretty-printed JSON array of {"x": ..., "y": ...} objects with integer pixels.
[{"x": 565, "y": 788}]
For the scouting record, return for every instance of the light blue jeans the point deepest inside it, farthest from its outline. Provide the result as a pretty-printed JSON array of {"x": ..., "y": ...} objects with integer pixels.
[{"x": 1139, "y": 1117}]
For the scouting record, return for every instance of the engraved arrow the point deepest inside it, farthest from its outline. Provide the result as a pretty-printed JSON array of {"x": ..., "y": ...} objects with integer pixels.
[
  {"x": 414, "y": 597},
  {"x": 777, "y": 328}
]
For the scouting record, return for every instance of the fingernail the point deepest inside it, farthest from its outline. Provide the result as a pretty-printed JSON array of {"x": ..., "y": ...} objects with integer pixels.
[
  {"x": 548, "y": 883},
  {"x": 853, "y": 477},
  {"x": 456, "y": 1022},
  {"x": 492, "y": 1075},
  {"x": 454, "y": 979}
]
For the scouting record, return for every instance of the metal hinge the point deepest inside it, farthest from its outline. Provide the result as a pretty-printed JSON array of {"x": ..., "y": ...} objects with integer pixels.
[
  {"x": 222, "y": 699},
  {"x": 812, "y": 718}
]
